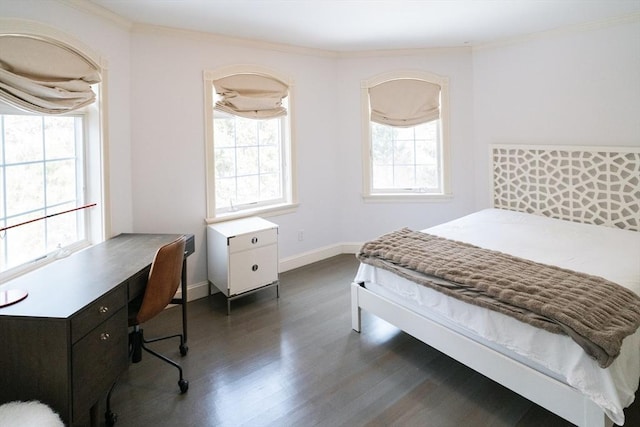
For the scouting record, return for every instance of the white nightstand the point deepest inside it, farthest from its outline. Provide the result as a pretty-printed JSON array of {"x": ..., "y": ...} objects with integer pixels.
[{"x": 242, "y": 257}]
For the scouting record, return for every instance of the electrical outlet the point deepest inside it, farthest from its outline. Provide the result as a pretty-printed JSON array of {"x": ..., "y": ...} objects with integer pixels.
[{"x": 300, "y": 235}]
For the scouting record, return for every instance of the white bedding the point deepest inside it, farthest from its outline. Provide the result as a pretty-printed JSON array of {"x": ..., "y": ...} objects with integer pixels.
[{"x": 602, "y": 251}]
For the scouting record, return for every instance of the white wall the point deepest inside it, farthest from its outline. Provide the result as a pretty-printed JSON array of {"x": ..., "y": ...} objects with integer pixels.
[
  {"x": 568, "y": 88},
  {"x": 111, "y": 42}
]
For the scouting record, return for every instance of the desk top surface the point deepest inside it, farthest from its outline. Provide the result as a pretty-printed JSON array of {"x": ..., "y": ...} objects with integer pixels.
[{"x": 62, "y": 288}]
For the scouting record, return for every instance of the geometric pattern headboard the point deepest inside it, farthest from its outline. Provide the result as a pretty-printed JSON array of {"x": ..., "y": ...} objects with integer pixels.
[{"x": 595, "y": 185}]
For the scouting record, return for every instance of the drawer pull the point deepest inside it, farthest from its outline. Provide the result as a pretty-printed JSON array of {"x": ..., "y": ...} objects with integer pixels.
[
  {"x": 105, "y": 336},
  {"x": 254, "y": 267},
  {"x": 103, "y": 309},
  {"x": 254, "y": 240}
]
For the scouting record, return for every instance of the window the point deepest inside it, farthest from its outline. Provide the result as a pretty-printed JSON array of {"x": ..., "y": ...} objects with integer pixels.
[
  {"x": 52, "y": 188},
  {"x": 406, "y": 136},
  {"x": 41, "y": 174},
  {"x": 249, "y": 144}
]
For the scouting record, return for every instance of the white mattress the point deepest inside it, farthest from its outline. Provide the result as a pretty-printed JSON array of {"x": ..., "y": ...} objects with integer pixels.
[{"x": 602, "y": 251}]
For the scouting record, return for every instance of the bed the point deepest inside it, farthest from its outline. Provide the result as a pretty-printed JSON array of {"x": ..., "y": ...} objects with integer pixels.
[{"x": 576, "y": 208}]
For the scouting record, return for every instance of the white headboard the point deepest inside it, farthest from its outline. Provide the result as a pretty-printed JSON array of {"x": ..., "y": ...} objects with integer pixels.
[{"x": 596, "y": 185}]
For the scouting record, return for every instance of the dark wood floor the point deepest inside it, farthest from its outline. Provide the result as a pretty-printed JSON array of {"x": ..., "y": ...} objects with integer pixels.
[{"x": 294, "y": 361}]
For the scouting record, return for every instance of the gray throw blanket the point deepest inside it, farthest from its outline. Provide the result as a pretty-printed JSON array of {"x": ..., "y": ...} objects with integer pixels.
[{"x": 596, "y": 313}]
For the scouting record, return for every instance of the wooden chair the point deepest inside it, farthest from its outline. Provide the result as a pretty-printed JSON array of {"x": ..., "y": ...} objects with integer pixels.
[{"x": 163, "y": 282}]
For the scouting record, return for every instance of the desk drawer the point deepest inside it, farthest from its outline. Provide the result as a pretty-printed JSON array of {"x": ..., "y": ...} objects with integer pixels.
[
  {"x": 97, "y": 360},
  {"x": 253, "y": 240},
  {"x": 97, "y": 312}
]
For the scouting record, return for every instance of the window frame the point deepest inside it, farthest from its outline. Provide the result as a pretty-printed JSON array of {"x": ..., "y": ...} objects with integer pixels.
[
  {"x": 96, "y": 152},
  {"x": 289, "y": 170},
  {"x": 90, "y": 182},
  {"x": 368, "y": 192}
]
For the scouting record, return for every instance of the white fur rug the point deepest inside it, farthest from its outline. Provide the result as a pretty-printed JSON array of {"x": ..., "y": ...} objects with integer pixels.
[{"x": 28, "y": 414}]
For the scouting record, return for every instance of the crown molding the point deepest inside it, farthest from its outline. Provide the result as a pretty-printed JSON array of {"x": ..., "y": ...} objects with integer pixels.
[
  {"x": 94, "y": 9},
  {"x": 402, "y": 52},
  {"x": 219, "y": 38}
]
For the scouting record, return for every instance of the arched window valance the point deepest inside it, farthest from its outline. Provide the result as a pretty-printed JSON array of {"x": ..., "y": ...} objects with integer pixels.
[
  {"x": 404, "y": 102},
  {"x": 251, "y": 96},
  {"x": 42, "y": 75}
]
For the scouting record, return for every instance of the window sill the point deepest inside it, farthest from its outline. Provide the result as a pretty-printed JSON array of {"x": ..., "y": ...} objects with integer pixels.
[
  {"x": 406, "y": 198},
  {"x": 265, "y": 211},
  {"x": 28, "y": 267}
]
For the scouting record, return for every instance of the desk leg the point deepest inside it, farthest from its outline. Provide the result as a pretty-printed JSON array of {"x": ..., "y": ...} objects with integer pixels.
[
  {"x": 184, "y": 300},
  {"x": 94, "y": 415}
]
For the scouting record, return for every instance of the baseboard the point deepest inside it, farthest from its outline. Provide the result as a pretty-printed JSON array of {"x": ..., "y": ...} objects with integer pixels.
[
  {"x": 316, "y": 255},
  {"x": 195, "y": 291},
  {"x": 200, "y": 290}
]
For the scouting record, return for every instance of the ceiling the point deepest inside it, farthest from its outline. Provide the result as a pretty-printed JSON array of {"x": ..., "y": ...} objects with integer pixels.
[{"x": 356, "y": 25}]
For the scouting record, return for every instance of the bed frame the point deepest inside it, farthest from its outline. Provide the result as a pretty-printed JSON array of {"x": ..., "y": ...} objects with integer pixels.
[{"x": 595, "y": 185}]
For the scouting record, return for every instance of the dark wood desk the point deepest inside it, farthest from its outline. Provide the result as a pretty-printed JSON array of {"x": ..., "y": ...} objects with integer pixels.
[{"x": 67, "y": 342}]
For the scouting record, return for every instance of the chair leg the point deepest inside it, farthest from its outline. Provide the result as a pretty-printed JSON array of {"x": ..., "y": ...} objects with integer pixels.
[
  {"x": 184, "y": 349},
  {"x": 135, "y": 344},
  {"x": 182, "y": 383}
]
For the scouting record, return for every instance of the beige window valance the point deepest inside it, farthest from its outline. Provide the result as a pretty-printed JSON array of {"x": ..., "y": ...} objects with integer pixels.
[
  {"x": 251, "y": 96},
  {"x": 44, "y": 76},
  {"x": 404, "y": 102}
]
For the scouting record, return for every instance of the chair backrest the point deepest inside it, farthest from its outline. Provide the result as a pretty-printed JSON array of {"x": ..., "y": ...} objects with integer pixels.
[{"x": 164, "y": 279}]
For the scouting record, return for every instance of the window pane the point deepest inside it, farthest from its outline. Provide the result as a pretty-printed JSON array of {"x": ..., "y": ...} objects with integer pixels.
[
  {"x": 226, "y": 193},
  {"x": 427, "y": 130},
  {"x": 225, "y": 162},
  {"x": 269, "y": 132},
  {"x": 224, "y": 132},
  {"x": 383, "y": 177},
  {"x": 407, "y": 134},
  {"x": 248, "y": 189},
  {"x": 269, "y": 187},
  {"x": 427, "y": 177},
  {"x": 27, "y": 242},
  {"x": 25, "y": 188},
  {"x": 62, "y": 229},
  {"x": 404, "y": 177},
  {"x": 246, "y": 132},
  {"x": 59, "y": 136},
  {"x": 23, "y": 140},
  {"x": 248, "y": 169},
  {"x": 2, "y": 193},
  {"x": 270, "y": 159},
  {"x": 381, "y": 149},
  {"x": 426, "y": 152},
  {"x": 248, "y": 161},
  {"x": 401, "y": 160},
  {"x": 41, "y": 178},
  {"x": 403, "y": 153},
  {"x": 61, "y": 181}
]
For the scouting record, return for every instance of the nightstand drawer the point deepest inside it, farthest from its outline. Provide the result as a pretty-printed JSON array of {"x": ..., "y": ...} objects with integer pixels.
[
  {"x": 253, "y": 240},
  {"x": 252, "y": 269}
]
